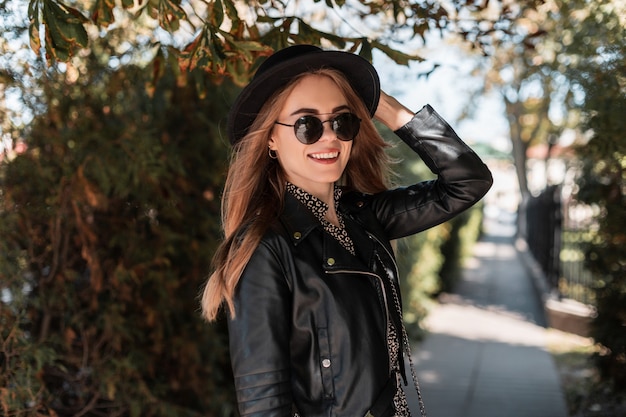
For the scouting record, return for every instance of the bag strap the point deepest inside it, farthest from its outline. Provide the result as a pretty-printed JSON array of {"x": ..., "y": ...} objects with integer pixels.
[{"x": 407, "y": 346}]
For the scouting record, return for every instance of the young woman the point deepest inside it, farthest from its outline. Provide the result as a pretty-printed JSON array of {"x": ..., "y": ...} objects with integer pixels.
[{"x": 306, "y": 270}]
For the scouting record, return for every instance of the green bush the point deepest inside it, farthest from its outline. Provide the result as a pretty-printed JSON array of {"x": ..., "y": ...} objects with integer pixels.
[
  {"x": 419, "y": 262},
  {"x": 108, "y": 222},
  {"x": 601, "y": 184},
  {"x": 464, "y": 231}
]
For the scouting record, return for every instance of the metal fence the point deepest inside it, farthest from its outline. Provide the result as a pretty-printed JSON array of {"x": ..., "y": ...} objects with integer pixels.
[{"x": 557, "y": 230}]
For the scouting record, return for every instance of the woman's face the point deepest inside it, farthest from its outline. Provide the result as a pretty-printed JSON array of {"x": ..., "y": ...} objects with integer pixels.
[{"x": 315, "y": 167}]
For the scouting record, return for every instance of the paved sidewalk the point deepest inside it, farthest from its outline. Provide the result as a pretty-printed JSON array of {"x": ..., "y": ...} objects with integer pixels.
[{"x": 485, "y": 355}]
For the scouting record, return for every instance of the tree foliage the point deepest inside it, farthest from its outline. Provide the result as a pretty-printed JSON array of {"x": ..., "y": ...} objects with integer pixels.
[
  {"x": 527, "y": 71},
  {"x": 601, "y": 76},
  {"x": 109, "y": 220},
  {"x": 577, "y": 68},
  {"x": 225, "y": 37},
  {"x": 572, "y": 75}
]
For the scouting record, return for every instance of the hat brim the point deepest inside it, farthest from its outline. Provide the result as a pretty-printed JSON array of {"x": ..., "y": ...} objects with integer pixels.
[{"x": 359, "y": 72}]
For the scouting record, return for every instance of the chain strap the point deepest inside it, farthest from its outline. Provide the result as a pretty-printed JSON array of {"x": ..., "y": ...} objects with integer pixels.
[{"x": 405, "y": 338}]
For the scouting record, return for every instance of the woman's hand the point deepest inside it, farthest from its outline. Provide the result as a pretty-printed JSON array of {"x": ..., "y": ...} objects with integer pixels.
[{"x": 391, "y": 112}]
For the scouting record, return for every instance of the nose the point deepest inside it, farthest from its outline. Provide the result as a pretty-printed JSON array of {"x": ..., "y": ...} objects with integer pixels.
[{"x": 327, "y": 131}]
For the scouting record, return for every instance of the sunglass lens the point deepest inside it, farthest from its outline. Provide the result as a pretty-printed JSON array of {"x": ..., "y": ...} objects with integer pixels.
[
  {"x": 308, "y": 129},
  {"x": 346, "y": 126}
]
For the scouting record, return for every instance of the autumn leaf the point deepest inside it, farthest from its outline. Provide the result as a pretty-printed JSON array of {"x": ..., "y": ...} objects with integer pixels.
[
  {"x": 103, "y": 13},
  {"x": 65, "y": 32}
]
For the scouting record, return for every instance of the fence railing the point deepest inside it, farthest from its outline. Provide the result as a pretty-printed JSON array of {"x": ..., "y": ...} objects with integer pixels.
[{"x": 557, "y": 230}]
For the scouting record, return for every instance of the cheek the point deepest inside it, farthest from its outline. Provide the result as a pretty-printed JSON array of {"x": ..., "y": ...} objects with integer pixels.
[
  {"x": 348, "y": 150},
  {"x": 279, "y": 141},
  {"x": 289, "y": 147}
]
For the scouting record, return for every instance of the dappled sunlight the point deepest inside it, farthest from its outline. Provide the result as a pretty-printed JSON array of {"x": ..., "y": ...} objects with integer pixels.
[
  {"x": 488, "y": 379},
  {"x": 430, "y": 376},
  {"x": 471, "y": 263},
  {"x": 486, "y": 350},
  {"x": 493, "y": 323},
  {"x": 494, "y": 250}
]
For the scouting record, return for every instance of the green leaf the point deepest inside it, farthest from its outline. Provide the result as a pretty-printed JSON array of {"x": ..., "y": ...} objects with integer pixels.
[
  {"x": 33, "y": 34},
  {"x": 366, "y": 50},
  {"x": 54, "y": 51},
  {"x": 33, "y": 10},
  {"x": 266, "y": 19},
  {"x": 314, "y": 36},
  {"x": 397, "y": 56},
  {"x": 217, "y": 46},
  {"x": 170, "y": 15},
  {"x": 216, "y": 13},
  {"x": 308, "y": 33},
  {"x": 33, "y": 29},
  {"x": 231, "y": 12},
  {"x": 74, "y": 16},
  {"x": 249, "y": 49},
  {"x": 54, "y": 36},
  {"x": 237, "y": 72},
  {"x": 102, "y": 14},
  {"x": 64, "y": 30}
]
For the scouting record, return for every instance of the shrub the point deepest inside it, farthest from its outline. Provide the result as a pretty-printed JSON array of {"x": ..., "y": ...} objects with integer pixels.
[
  {"x": 601, "y": 184},
  {"x": 108, "y": 223}
]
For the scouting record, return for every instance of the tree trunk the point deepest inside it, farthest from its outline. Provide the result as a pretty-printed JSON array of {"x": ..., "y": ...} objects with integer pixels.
[{"x": 519, "y": 161}]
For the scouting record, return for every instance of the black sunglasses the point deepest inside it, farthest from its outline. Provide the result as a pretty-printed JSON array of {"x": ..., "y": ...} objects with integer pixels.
[{"x": 309, "y": 129}]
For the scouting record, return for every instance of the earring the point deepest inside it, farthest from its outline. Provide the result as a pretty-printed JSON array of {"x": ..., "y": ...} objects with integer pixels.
[{"x": 272, "y": 153}]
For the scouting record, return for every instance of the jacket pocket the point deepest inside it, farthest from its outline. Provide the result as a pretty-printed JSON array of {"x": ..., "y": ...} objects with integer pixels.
[{"x": 325, "y": 363}]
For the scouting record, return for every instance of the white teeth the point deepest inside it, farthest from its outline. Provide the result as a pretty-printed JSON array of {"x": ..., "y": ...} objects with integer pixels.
[{"x": 329, "y": 155}]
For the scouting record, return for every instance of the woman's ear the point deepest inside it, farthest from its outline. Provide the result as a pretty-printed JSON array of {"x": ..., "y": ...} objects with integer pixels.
[{"x": 271, "y": 149}]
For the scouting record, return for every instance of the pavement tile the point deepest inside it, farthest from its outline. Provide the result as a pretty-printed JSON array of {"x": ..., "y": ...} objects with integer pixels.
[{"x": 485, "y": 354}]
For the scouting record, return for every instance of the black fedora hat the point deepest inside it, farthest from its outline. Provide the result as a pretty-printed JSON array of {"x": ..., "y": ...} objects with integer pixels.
[{"x": 281, "y": 67}]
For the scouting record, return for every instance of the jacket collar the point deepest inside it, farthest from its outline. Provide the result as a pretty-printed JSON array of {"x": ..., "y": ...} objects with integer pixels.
[
  {"x": 299, "y": 222},
  {"x": 297, "y": 219}
]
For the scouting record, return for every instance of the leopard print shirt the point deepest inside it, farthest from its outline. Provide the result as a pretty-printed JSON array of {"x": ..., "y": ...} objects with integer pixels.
[{"x": 319, "y": 209}]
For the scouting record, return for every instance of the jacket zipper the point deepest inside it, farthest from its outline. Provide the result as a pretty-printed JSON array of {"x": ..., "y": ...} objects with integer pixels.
[
  {"x": 382, "y": 290},
  {"x": 397, "y": 272},
  {"x": 393, "y": 259},
  {"x": 401, "y": 353}
]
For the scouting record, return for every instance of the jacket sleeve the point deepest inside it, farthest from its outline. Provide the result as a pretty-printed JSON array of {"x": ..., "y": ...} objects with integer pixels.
[
  {"x": 259, "y": 337},
  {"x": 462, "y": 179}
]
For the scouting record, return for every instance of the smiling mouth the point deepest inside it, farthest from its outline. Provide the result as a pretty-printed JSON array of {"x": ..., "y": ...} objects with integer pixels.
[{"x": 326, "y": 155}]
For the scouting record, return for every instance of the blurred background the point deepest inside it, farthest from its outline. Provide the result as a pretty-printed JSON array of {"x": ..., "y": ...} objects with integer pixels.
[{"x": 113, "y": 156}]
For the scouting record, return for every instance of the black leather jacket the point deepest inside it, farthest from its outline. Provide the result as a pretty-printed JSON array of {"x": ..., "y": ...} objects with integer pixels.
[{"x": 310, "y": 326}]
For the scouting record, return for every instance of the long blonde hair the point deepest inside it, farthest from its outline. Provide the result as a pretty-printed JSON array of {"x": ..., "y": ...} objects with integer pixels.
[{"x": 255, "y": 186}]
